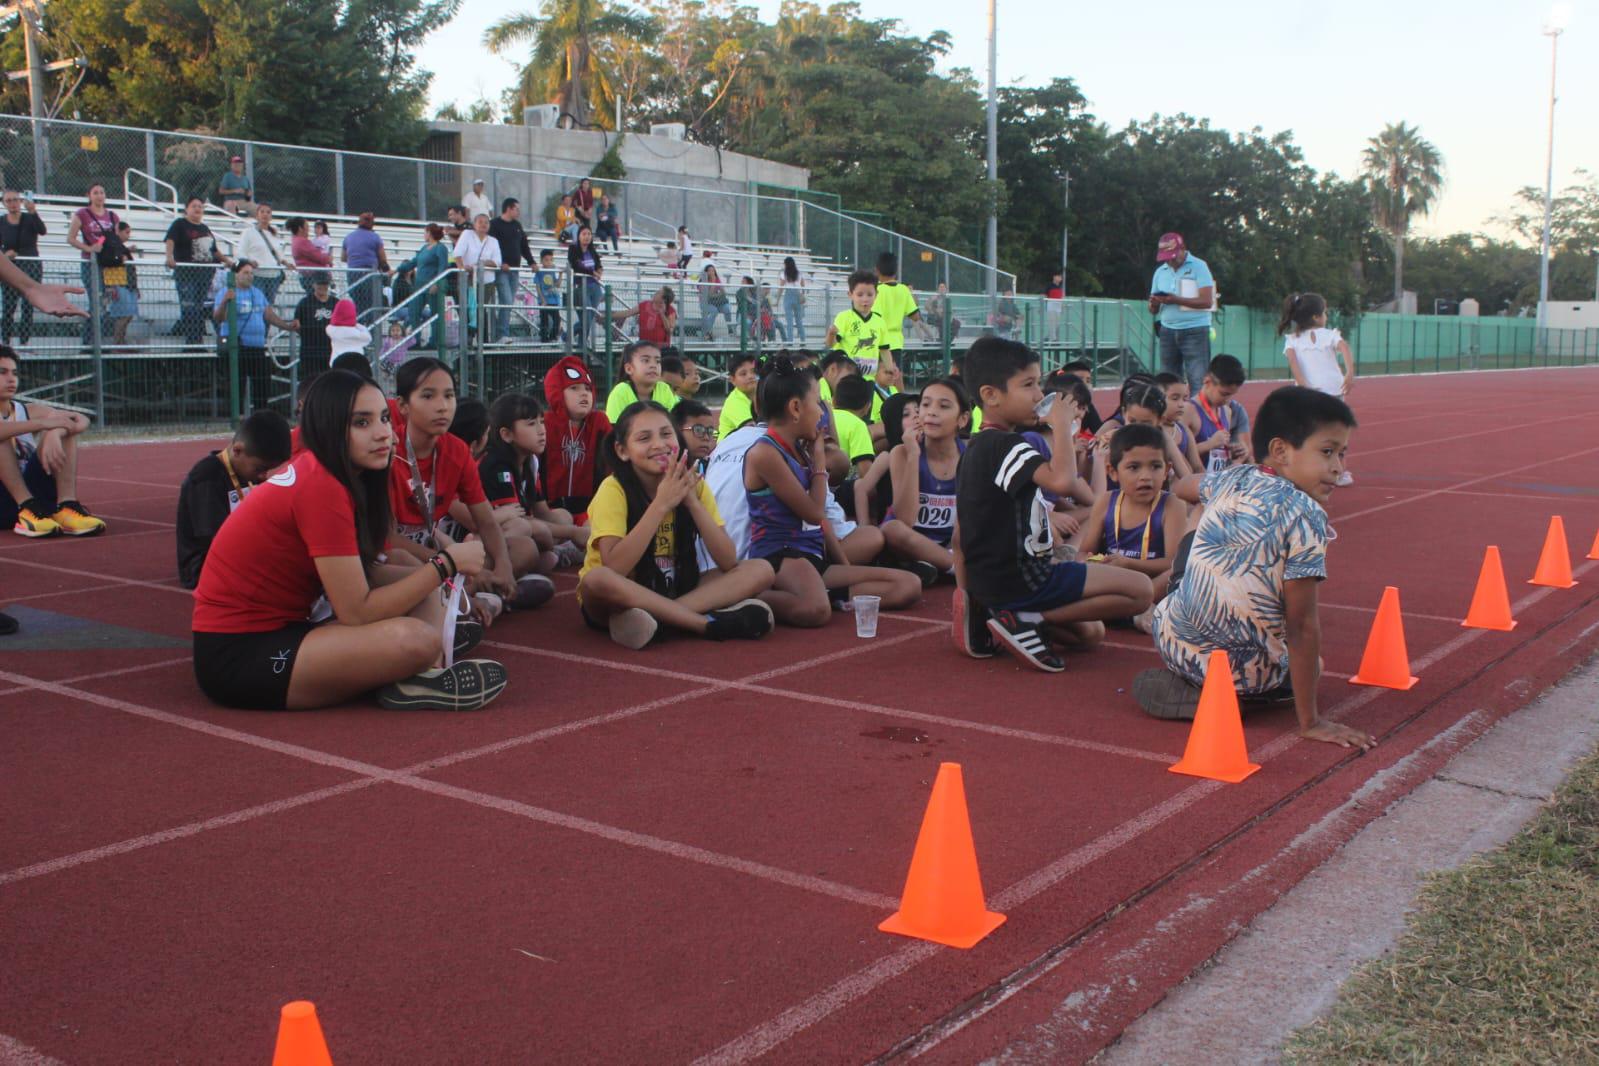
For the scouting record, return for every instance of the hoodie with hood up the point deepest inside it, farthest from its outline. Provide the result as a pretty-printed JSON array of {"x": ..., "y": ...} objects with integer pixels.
[
  {"x": 346, "y": 333},
  {"x": 569, "y": 456}
]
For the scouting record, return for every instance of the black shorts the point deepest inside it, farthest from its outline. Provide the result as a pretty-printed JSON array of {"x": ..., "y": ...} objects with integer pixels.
[
  {"x": 777, "y": 557},
  {"x": 41, "y": 484},
  {"x": 249, "y": 671}
]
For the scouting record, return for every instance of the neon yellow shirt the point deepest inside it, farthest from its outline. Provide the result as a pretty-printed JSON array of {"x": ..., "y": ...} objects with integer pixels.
[
  {"x": 735, "y": 412},
  {"x": 853, "y": 436},
  {"x": 977, "y": 419},
  {"x": 859, "y": 338},
  {"x": 895, "y": 303},
  {"x": 623, "y": 395}
]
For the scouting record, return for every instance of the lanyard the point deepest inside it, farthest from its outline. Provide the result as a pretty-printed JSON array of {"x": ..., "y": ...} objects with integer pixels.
[
  {"x": 1143, "y": 551},
  {"x": 227, "y": 464},
  {"x": 1210, "y": 411},
  {"x": 783, "y": 444},
  {"x": 423, "y": 494}
]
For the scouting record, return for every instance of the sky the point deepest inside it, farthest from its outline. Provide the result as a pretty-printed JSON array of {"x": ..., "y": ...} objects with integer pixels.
[{"x": 1472, "y": 74}]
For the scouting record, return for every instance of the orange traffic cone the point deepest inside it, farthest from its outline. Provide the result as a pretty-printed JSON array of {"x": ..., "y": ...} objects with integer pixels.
[
  {"x": 1386, "y": 663},
  {"x": 1593, "y": 552},
  {"x": 1490, "y": 605},
  {"x": 943, "y": 899},
  {"x": 1216, "y": 747},
  {"x": 300, "y": 1040},
  {"x": 1554, "y": 565}
]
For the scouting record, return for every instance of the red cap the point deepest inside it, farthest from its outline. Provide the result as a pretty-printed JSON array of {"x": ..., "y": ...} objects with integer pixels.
[
  {"x": 237, "y": 159},
  {"x": 1170, "y": 244}
]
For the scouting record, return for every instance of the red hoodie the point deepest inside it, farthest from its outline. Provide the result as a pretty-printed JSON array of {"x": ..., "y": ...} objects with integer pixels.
[{"x": 569, "y": 455}]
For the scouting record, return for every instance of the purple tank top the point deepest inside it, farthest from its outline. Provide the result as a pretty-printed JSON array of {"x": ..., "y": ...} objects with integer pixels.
[
  {"x": 1146, "y": 540},
  {"x": 773, "y": 527}
]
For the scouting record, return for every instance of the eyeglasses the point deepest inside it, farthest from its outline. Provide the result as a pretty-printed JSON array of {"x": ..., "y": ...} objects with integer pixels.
[{"x": 702, "y": 432}]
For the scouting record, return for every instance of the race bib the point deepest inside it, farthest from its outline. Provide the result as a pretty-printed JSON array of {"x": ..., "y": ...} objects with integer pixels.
[
  {"x": 937, "y": 511},
  {"x": 1217, "y": 460},
  {"x": 235, "y": 497}
]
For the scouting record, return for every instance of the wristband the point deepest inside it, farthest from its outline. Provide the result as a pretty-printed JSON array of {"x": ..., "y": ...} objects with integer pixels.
[{"x": 446, "y": 571}]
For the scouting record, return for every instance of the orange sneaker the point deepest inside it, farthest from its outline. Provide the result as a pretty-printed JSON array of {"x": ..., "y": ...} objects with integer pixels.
[
  {"x": 32, "y": 524},
  {"x": 75, "y": 520}
]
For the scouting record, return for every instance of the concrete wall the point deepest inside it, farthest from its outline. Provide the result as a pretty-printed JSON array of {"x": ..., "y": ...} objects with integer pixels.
[{"x": 673, "y": 182}]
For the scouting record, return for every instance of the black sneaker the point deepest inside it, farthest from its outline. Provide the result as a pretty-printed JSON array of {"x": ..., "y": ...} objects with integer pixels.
[
  {"x": 532, "y": 590},
  {"x": 925, "y": 571},
  {"x": 745, "y": 620},
  {"x": 468, "y": 635},
  {"x": 466, "y": 686},
  {"x": 971, "y": 628},
  {"x": 8, "y": 625},
  {"x": 1162, "y": 694},
  {"x": 1023, "y": 640}
]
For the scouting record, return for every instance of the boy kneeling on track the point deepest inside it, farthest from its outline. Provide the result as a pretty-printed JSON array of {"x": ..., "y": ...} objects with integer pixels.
[{"x": 1245, "y": 579}]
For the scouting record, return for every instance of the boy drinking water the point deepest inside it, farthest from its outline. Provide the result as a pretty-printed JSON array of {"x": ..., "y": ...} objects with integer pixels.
[
  {"x": 217, "y": 484},
  {"x": 1004, "y": 565},
  {"x": 1246, "y": 580}
]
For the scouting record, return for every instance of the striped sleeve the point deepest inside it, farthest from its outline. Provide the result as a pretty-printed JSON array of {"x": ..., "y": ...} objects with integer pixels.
[{"x": 1014, "y": 474}]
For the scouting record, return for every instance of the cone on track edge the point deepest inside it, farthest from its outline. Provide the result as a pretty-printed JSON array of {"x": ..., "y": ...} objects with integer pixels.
[
  {"x": 943, "y": 900},
  {"x": 1593, "y": 552},
  {"x": 1554, "y": 565},
  {"x": 1490, "y": 604},
  {"x": 1386, "y": 663},
  {"x": 1216, "y": 748},
  {"x": 300, "y": 1040}
]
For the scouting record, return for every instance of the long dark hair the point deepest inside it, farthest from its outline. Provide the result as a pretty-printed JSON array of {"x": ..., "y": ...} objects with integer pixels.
[
  {"x": 413, "y": 372},
  {"x": 1300, "y": 311},
  {"x": 781, "y": 383},
  {"x": 790, "y": 269},
  {"x": 325, "y": 431},
  {"x": 893, "y": 437},
  {"x": 685, "y": 563}
]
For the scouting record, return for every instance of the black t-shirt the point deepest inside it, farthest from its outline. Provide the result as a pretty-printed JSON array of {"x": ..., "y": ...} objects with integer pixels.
[
  {"x": 1004, "y": 519},
  {"x": 192, "y": 242},
  {"x": 205, "y": 501},
  {"x": 21, "y": 236},
  {"x": 514, "y": 249},
  {"x": 314, "y": 317},
  {"x": 505, "y": 481}
]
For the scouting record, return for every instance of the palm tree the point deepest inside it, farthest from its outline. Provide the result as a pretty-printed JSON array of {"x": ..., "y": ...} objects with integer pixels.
[
  {"x": 564, "y": 34},
  {"x": 1405, "y": 174}
]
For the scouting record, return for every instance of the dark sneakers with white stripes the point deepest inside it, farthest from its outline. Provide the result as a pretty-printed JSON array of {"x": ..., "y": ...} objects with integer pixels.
[
  {"x": 971, "y": 627},
  {"x": 466, "y": 686},
  {"x": 1023, "y": 640}
]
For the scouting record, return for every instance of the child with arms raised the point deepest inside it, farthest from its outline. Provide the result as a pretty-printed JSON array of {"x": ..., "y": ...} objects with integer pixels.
[
  {"x": 574, "y": 430},
  {"x": 640, "y": 380},
  {"x": 1007, "y": 574},
  {"x": 1246, "y": 582},
  {"x": 1313, "y": 351},
  {"x": 641, "y": 570}
]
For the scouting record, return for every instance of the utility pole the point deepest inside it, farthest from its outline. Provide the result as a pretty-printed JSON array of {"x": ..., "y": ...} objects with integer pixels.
[
  {"x": 1552, "y": 29},
  {"x": 30, "y": 13},
  {"x": 993, "y": 161},
  {"x": 1065, "y": 230}
]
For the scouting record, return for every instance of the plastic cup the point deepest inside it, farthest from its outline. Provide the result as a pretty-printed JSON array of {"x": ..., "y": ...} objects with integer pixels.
[{"x": 866, "y": 615}]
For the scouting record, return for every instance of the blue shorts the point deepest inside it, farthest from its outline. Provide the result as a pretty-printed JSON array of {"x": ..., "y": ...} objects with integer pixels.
[
  {"x": 40, "y": 484},
  {"x": 1063, "y": 586}
]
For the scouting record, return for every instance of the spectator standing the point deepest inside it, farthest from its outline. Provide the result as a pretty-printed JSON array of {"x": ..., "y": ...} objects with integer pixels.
[
  {"x": 314, "y": 313},
  {"x": 607, "y": 223},
  {"x": 262, "y": 244},
  {"x": 311, "y": 260},
  {"x": 476, "y": 202},
  {"x": 20, "y": 231},
  {"x": 121, "y": 284},
  {"x": 713, "y": 301},
  {"x": 1181, "y": 295},
  {"x": 363, "y": 252},
  {"x": 514, "y": 251},
  {"x": 792, "y": 286},
  {"x": 430, "y": 261},
  {"x": 584, "y": 260},
  {"x": 192, "y": 253},
  {"x": 234, "y": 188},
  {"x": 87, "y": 232},
  {"x": 548, "y": 279},
  {"x": 583, "y": 203},
  {"x": 253, "y": 312},
  {"x": 685, "y": 248},
  {"x": 479, "y": 255},
  {"x": 1006, "y": 314}
]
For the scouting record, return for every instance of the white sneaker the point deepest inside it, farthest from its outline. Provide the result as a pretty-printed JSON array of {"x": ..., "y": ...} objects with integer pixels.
[{"x": 1346, "y": 478}]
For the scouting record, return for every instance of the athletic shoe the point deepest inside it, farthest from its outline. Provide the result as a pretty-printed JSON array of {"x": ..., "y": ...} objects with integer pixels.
[
  {"x": 466, "y": 686},
  {"x": 744, "y": 620},
  {"x": 31, "y": 524},
  {"x": 1346, "y": 478},
  {"x": 487, "y": 607},
  {"x": 8, "y": 625},
  {"x": 633, "y": 628},
  {"x": 971, "y": 628},
  {"x": 468, "y": 635},
  {"x": 1162, "y": 694},
  {"x": 568, "y": 555},
  {"x": 76, "y": 521},
  {"x": 925, "y": 571},
  {"x": 532, "y": 591},
  {"x": 1023, "y": 640}
]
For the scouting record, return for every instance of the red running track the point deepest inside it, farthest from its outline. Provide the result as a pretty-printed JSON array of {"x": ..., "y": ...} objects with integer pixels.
[{"x": 682, "y": 854}]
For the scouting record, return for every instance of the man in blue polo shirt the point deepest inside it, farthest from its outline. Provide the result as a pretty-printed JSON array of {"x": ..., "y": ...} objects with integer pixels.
[{"x": 1182, "y": 294}]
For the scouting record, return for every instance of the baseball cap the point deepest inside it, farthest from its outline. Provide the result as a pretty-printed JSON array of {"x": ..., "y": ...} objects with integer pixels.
[
  {"x": 1170, "y": 244},
  {"x": 477, "y": 181},
  {"x": 237, "y": 159}
]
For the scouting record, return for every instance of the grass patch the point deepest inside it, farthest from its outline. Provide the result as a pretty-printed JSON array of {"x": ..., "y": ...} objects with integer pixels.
[{"x": 1499, "y": 965}]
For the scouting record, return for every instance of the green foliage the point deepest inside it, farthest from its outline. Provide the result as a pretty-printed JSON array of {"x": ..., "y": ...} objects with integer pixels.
[
  {"x": 565, "y": 35},
  {"x": 1573, "y": 219},
  {"x": 610, "y": 164}
]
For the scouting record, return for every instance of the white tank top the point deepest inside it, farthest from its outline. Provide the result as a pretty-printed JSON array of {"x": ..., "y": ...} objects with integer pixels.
[{"x": 24, "y": 444}]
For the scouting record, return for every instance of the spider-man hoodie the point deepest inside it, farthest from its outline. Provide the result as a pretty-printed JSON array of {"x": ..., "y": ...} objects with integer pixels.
[{"x": 572, "y": 446}]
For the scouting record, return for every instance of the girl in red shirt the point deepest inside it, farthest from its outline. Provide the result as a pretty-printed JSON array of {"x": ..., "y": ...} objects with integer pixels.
[{"x": 317, "y": 528}]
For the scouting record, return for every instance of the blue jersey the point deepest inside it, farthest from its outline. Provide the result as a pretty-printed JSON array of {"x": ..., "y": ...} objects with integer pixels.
[
  {"x": 773, "y": 527},
  {"x": 1147, "y": 540}
]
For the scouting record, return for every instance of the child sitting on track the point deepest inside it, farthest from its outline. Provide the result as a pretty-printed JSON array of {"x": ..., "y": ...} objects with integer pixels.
[
  {"x": 696, "y": 424},
  {"x": 924, "y": 468},
  {"x": 1176, "y": 421},
  {"x": 640, "y": 380},
  {"x": 1313, "y": 351},
  {"x": 872, "y": 494},
  {"x": 787, "y": 489},
  {"x": 39, "y": 463},
  {"x": 1139, "y": 524},
  {"x": 1245, "y": 580},
  {"x": 217, "y": 484},
  {"x": 739, "y": 407},
  {"x": 509, "y": 470},
  {"x": 575, "y": 429},
  {"x": 1222, "y": 436},
  {"x": 641, "y": 569},
  {"x": 852, "y": 406},
  {"x": 1008, "y": 581},
  {"x": 317, "y": 527},
  {"x": 471, "y": 426}
]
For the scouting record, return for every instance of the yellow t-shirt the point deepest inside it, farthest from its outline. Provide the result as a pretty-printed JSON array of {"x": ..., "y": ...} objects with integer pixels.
[
  {"x": 623, "y": 394},
  {"x": 859, "y": 338},
  {"x": 877, "y": 402},
  {"x": 853, "y": 436},
  {"x": 895, "y": 303},
  {"x": 977, "y": 419},
  {"x": 735, "y": 412},
  {"x": 827, "y": 392},
  {"x": 608, "y": 518}
]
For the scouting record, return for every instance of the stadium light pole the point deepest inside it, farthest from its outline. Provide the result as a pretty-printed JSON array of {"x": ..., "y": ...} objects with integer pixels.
[
  {"x": 1553, "y": 27},
  {"x": 993, "y": 161}
]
